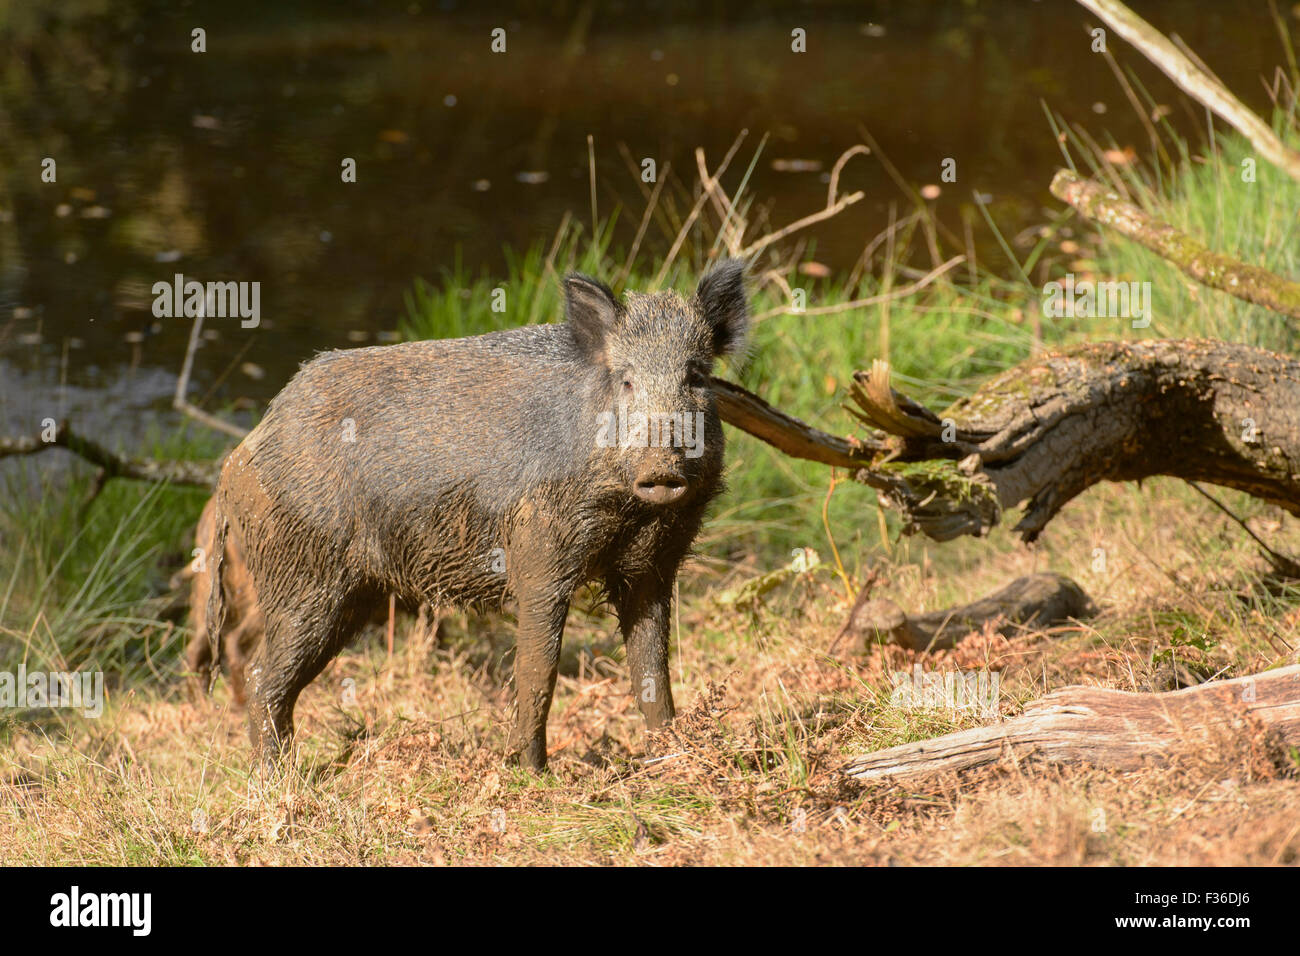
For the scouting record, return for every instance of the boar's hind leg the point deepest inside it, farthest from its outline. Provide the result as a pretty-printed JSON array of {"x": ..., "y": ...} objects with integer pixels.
[
  {"x": 239, "y": 645},
  {"x": 299, "y": 641},
  {"x": 537, "y": 659},
  {"x": 198, "y": 662},
  {"x": 643, "y": 615}
]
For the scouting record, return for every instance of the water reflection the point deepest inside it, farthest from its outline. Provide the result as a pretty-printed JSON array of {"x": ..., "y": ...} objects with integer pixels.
[{"x": 227, "y": 164}]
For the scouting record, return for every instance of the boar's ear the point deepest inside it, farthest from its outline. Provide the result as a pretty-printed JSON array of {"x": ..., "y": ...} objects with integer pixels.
[
  {"x": 591, "y": 312},
  {"x": 721, "y": 300}
]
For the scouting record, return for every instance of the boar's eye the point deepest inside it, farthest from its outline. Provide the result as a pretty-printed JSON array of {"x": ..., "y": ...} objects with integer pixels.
[{"x": 627, "y": 385}]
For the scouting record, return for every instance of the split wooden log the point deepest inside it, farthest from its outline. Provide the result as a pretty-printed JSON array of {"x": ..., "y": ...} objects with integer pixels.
[
  {"x": 1045, "y": 431},
  {"x": 1107, "y": 728},
  {"x": 1033, "y": 602},
  {"x": 1250, "y": 283}
]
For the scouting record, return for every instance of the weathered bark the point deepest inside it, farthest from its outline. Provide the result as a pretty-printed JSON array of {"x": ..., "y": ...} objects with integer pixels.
[
  {"x": 1108, "y": 728},
  {"x": 1250, "y": 283},
  {"x": 1048, "y": 429},
  {"x": 199, "y": 474},
  {"x": 1036, "y": 601}
]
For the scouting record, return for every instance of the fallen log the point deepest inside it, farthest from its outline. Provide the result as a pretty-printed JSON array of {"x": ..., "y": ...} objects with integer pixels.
[
  {"x": 1105, "y": 728},
  {"x": 1033, "y": 602},
  {"x": 1045, "y": 431}
]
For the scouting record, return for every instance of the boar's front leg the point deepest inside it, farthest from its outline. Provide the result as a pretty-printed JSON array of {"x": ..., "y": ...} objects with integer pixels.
[
  {"x": 542, "y": 611},
  {"x": 644, "y": 612}
]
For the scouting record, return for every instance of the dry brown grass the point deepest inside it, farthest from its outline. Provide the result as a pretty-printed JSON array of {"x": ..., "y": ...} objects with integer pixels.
[{"x": 410, "y": 771}]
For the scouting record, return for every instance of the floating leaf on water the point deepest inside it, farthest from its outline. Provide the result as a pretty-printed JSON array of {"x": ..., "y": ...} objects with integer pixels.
[
  {"x": 201, "y": 121},
  {"x": 930, "y": 191},
  {"x": 253, "y": 371},
  {"x": 796, "y": 165},
  {"x": 532, "y": 177}
]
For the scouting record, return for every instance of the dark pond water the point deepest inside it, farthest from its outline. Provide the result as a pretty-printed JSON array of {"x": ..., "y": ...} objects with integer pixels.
[{"x": 225, "y": 165}]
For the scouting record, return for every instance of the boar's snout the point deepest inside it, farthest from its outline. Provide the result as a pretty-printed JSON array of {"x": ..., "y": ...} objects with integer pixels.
[{"x": 659, "y": 486}]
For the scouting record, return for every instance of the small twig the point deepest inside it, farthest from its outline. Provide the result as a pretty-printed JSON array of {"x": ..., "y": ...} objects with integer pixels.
[
  {"x": 591, "y": 165},
  {"x": 199, "y": 474},
  {"x": 549, "y": 268},
  {"x": 1281, "y": 563},
  {"x": 761, "y": 244},
  {"x": 722, "y": 204},
  {"x": 872, "y": 300},
  {"x": 651, "y": 203},
  {"x": 1134, "y": 102},
  {"x": 695, "y": 210},
  {"x": 181, "y": 404},
  {"x": 864, "y": 595},
  {"x": 833, "y": 189}
]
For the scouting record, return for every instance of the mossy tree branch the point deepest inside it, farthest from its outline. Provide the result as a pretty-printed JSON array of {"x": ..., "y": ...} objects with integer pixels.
[{"x": 1247, "y": 282}]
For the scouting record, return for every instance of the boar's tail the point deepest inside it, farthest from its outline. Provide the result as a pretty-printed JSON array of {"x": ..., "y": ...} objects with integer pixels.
[{"x": 216, "y": 616}]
